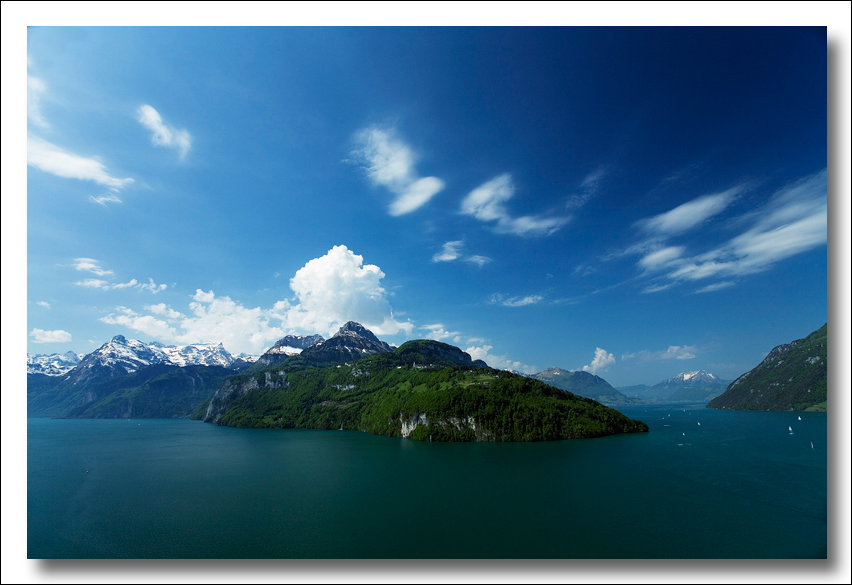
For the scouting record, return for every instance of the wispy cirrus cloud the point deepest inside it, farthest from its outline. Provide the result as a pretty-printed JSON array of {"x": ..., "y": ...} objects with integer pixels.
[
  {"x": 390, "y": 162},
  {"x": 661, "y": 258},
  {"x": 656, "y": 288},
  {"x": 90, "y": 265},
  {"x": 714, "y": 287},
  {"x": 52, "y": 159},
  {"x": 601, "y": 361},
  {"x": 104, "y": 199},
  {"x": 55, "y": 336},
  {"x": 690, "y": 214},
  {"x": 487, "y": 204},
  {"x": 519, "y": 301},
  {"x": 449, "y": 252},
  {"x": 133, "y": 283},
  {"x": 452, "y": 251},
  {"x": 588, "y": 188},
  {"x": 684, "y": 352},
  {"x": 44, "y": 304},
  {"x": 93, "y": 266},
  {"x": 163, "y": 134},
  {"x": 793, "y": 221},
  {"x": 35, "y": 89}
]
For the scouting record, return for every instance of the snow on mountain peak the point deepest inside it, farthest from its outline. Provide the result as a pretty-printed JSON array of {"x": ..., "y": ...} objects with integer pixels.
[{"x": 132, "y": 354}]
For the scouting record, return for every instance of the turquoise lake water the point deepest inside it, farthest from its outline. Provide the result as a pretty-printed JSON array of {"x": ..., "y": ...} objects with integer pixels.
[{"x": 737, "y": 485}]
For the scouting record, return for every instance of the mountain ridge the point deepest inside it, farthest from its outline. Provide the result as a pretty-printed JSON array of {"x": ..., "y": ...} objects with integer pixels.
[{"x": 793, "y": 376}]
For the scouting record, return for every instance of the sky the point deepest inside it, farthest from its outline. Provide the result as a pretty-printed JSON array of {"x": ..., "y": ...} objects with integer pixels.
[
  {"x": 634, "y": 201},
  {"x": 631, "y": 202}
]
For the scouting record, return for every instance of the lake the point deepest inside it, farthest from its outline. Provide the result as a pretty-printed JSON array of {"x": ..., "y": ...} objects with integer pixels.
[{"x": 701, "y": 484}]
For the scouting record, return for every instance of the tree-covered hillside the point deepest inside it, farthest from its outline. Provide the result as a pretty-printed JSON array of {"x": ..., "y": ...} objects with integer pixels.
[{"x": 417, "y": 391}]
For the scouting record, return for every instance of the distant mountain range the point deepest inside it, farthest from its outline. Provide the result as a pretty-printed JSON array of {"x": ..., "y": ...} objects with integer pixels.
[
  {"x": 793, "y": 376},
  {"x": 425, "y": 390},
  {"x": 121, "y": 356},
  {"x": 128, "y": 377},
  {"x": 583, "y": 384},
  {"x": 698, "y": 386},
  {"x": 54, "y": 364}
]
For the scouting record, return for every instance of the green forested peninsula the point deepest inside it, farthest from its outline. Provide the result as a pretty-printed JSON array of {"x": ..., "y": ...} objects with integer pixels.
[{"x": 424, "y": 390}]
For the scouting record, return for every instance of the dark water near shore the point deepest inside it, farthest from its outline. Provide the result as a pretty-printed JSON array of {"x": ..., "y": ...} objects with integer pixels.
[{"x": 738, "y": 485}]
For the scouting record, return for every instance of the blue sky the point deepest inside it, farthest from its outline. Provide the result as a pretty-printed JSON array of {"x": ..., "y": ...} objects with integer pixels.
[{"x": 633, "y": 202}]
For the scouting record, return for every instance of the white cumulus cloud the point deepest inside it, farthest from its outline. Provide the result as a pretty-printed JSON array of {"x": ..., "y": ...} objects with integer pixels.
[
  {"x": 499, "y": 362},
  {"x": 337, "y": 288},
  {"x": 330, "y": 290},
  {"x": 438, "y": 332},
  {"x": 55, "y": 336},
  {"x": 44, "y": 304},
  {"x": 389, "y": 162},
  {"x": 163, "y": 134},
  {"x": 601, "y": 361},
  {"x": 487, "y": 203}
]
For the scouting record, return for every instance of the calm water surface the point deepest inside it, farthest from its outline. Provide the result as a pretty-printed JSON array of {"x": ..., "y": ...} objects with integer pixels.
[{"x": 737, "y": 485}]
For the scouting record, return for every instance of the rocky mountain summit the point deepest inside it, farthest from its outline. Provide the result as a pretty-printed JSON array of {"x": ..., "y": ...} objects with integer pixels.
[{"x": 352, "y": 342}]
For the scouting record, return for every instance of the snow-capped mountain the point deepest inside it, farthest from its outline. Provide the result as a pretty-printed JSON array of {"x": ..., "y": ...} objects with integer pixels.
[
  {"x": 698, "y": 386},
  {"x": 287, "y": 346},
  {"x": 697, "y": 378},
  {"x": 121, "y": 356},
  {"x": 202, "y": 354},
  {"x": 55, "y": 364}
]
